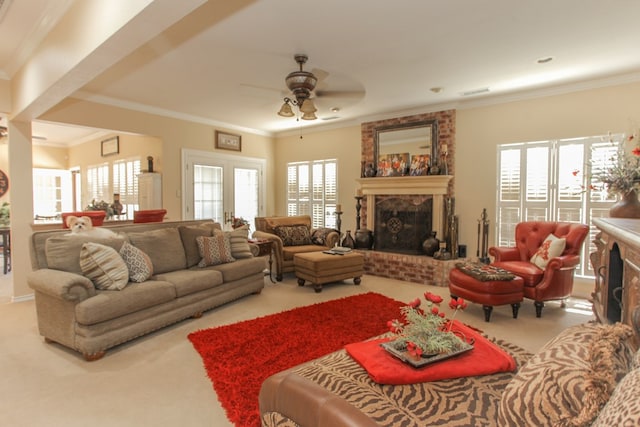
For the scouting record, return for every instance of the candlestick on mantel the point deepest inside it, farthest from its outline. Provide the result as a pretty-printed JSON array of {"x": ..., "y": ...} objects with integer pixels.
[
  {"x": 338, "y": 208},
  {"x": 358, "y": 192},
  {"x": 358, "y": 206}
]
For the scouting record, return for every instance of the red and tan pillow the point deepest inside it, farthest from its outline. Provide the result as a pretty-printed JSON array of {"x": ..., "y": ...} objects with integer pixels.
[
  {"x": 551, "y": 247},
  {"x": 214, "y": 250}
]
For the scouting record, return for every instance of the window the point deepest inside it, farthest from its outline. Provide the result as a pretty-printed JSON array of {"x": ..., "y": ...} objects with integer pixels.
[
  {"x": 312, "y": 190},
  {"x": 551, "y": 181},
  {"x": 121, "y": 178},
  {"x": 51, "y": 193}
]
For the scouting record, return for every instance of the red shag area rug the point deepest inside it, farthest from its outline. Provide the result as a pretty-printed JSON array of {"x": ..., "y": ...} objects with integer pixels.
[{"x": 239, "y": 357}]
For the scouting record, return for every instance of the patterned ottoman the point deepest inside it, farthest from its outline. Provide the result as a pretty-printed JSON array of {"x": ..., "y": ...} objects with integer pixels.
[
  {"x": 320, "y": 268},
  {"x": 486, "y": 285}
]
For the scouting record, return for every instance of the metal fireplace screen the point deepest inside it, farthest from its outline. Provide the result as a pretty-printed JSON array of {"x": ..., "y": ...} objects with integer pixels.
[{"x": 402, "y": 224}]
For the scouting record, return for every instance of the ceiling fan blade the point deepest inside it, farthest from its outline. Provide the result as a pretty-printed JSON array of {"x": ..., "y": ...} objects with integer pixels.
[{"x": 340, "y": 93}]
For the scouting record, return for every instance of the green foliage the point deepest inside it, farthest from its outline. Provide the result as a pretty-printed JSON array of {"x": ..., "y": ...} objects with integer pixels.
[
  {"x": 5, "y": 214},
  {"x": 428, "y": 331}
]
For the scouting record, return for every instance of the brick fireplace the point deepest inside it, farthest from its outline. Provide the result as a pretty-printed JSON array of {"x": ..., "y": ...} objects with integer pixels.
[{"x": 407, "y": 191}]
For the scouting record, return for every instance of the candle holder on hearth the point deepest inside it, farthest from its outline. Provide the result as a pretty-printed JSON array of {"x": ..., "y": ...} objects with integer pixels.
[
  {"x": 338, "y": 214},
  {"x": 364, "y": 236}
]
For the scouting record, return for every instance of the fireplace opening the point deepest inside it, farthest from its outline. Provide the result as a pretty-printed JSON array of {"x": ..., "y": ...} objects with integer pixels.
[{"x": 402, "y": 223}]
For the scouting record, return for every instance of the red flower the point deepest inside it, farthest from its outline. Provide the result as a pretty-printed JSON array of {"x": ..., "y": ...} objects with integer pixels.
[
  {"x": 458, "y": 303},
  {"x": 575, "y": 172},
  {"x": 434, "y": 310},
  {"x": 395, "y": 326},
  {"x": 441, "y": 314},
  {"x": 415, "y": 303},
  {"x": 636, "y": 151},
  {"x": 413, "y": 349},
  {"x": 436, "y": 299}
]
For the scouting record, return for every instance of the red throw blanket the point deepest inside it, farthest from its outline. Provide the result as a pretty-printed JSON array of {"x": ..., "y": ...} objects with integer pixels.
[{"x": 485, "y": 358}]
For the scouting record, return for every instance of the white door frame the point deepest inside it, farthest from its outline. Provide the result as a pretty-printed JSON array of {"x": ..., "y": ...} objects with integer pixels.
[{"x": 191, "y": 157}]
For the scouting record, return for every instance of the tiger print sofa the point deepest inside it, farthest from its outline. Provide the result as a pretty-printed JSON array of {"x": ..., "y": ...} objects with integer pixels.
[{"x": 587, "y": 375}]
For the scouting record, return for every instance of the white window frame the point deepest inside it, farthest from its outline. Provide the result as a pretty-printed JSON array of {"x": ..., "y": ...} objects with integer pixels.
[
  {"x": 312, "y": 189},
  {"x": 563, "y": 190},
  {"x": 103, "y": 180}
]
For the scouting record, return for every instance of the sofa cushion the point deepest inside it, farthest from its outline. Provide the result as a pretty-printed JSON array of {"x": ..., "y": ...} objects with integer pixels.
[
  {"x": 107, "y": 305},
  {"x": 240, "y": 269},
  {"x": 188, "y": 236},
  {"x": 270, "y": 223},
  {"x": 293, "y": 235},
  {"x": 570, "y": 378},
  {"x": 239, "y": 240},
  {"x": 191, "y": 281},
  {"x": 104, "y": 266},
  {"x": 214, "y": 250},
  {"x": 551, "y": 247},
  {"x": 623, "y": 408},
  {"x": 63, "y": 252},
  {"x": 163, "y": 246},
  {"x": 139, "y": 264}
]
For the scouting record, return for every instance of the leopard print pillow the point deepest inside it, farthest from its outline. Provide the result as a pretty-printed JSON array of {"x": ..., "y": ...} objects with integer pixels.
[{"x": 623, "y": 408}]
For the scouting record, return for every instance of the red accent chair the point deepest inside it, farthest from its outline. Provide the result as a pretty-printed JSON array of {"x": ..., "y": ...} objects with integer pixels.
[
  {"x": 555, "y": 282},
  {"x": 149, "y": 215}
]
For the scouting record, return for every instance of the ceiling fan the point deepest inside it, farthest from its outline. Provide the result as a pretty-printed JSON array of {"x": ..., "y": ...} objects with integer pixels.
[
  {"x": 302, "y": 84},
  {"x": 4, "y": 133}
]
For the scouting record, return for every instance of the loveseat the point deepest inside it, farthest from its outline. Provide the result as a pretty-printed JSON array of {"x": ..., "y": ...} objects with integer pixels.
[
  {"x": 87, "y": 301},
  {"x": 587, "y": 375},
  {"x": 293, "y": 235}
]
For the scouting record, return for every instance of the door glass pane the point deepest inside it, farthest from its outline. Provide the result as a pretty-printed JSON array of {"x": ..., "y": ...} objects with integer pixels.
[
  {"x": 208, "y": 192},
  {"x": 245, "y": 194}
]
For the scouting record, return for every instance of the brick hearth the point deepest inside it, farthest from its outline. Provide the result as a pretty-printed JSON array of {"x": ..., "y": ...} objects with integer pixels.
[{"x": 410, "y": 268}]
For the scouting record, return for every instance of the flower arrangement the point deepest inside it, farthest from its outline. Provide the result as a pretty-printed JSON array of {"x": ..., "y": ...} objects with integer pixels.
[
  {"x": 239, "y": 222},
  {"x": 427, "y": 332},
  {"x": 623, "y": 175},
  {"x": 100, "y": 206}
]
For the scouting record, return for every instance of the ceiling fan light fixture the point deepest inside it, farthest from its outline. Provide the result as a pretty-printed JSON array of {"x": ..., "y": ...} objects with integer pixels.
[
  {"x": 285, "y": 110},
  {"x": 309, "y": 116},
  {"x": 308, "y": 110}
]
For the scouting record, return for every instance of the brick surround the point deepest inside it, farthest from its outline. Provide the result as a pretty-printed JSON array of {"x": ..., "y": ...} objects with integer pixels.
[{"x": 411, "y": 268}]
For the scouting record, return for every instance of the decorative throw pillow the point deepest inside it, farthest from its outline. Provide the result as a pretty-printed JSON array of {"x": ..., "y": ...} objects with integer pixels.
[
  {"x": 293, "y": 235},
  {"x": 484, "y": 272},
  {"x": 239, "y": 240},
  {"x": 164, "y": 247},
  {"x": 214, "y": 250},
  {"x": 551, "y": 248},
  {"x": 569, "y": 380},
  {"x": 138, "y": 263},
  {"x": 188, "y": 236},
  {"x": 623, "y": 408},
  {"x": 104, "y": 266},
  {"x": 319, "y": 235}
]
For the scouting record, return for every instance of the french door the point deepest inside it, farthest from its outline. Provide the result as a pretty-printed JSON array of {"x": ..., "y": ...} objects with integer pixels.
[{"x": 222, "y": 187}]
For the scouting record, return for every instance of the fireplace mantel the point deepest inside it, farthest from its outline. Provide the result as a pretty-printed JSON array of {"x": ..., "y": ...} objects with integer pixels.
[{"x": 434, "y": 185}]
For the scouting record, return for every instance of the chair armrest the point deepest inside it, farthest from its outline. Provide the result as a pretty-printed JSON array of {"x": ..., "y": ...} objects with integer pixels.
[
  {"x": 307, "y": 403},
  {"x": 61, "y": 284},
  {"x": 333, "y": 239},
  {"x": 277, "y": 247},
  {"x": 504, "y": 253},
  {"x": 255, "y": 250}
]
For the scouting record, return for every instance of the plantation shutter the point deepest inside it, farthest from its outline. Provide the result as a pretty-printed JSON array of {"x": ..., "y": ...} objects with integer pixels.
[
  {"x": 98, "y": 182},
  {"x": 125, "y": 183},
  {"x": 312, "y": 190}
]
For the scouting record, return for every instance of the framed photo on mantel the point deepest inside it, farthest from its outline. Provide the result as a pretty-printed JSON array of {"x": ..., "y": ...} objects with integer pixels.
[{"x": 228, "y": 141}]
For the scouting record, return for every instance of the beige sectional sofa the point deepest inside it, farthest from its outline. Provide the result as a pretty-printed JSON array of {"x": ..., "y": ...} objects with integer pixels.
[{"x": 72, "y": 311}]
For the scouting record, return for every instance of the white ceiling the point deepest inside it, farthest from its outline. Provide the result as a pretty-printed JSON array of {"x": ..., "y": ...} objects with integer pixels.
[{"x": 230, "y": 72}]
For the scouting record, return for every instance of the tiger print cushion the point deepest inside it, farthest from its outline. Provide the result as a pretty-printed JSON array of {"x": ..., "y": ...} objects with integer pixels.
[
  {"x": 623, "y": 408},
  {"x": 469, "y": 401},
  {"x": 570, "y": 379}
]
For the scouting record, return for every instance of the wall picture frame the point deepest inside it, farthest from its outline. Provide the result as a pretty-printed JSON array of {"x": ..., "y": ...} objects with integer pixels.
[
  {"x": 228, "y": 141},
  {"x": 110, "y": 146}
]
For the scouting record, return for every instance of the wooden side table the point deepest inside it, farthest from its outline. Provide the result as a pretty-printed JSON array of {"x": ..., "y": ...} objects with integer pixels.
[{"x": 265, "y": 247}]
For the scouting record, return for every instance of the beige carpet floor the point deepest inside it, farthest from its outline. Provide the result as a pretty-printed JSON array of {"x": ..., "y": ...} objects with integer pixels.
[{"x": 158, "y": 380}]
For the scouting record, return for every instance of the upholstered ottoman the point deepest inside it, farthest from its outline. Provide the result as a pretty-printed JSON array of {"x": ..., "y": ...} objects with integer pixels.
[
  {"x": 494, "y": 287},
  {"x": 320, "y": 268}
]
